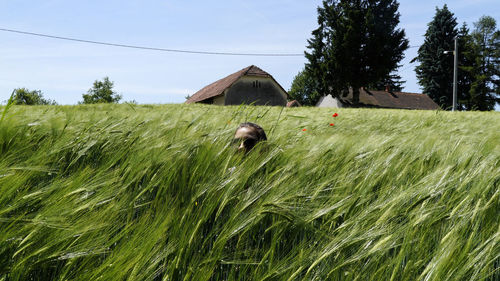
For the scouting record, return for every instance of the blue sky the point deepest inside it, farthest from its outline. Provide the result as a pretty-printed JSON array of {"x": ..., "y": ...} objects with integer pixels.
[{"x": 64, "y": 70}]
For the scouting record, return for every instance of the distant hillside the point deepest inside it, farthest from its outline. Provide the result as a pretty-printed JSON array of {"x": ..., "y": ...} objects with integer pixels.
[{"x": 126, "y": 192}]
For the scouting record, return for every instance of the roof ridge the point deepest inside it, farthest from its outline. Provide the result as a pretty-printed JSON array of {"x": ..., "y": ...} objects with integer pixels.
[
  {"x": 408, "y": 93},
  {"x": 395, "y": 92},
  {"x": 248, "y": 68}
]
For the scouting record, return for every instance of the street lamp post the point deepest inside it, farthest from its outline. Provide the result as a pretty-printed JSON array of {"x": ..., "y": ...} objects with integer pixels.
[{"x": 455, "y": 73}]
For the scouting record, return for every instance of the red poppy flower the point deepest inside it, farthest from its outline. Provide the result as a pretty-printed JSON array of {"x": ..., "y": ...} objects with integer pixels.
[
  {"x": 331, "y": 124},
  {"x": 303, "y": 130},
  {"x": 335, "y": 114}
]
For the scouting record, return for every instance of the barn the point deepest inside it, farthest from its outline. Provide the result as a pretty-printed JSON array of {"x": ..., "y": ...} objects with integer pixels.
[
  {"x": 251, "y": 85},
  {"x": 381, "y": 99}
]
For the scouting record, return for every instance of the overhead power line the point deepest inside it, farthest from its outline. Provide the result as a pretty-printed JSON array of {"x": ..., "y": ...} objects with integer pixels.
[
  {"x": 151, "y": 48},
  {"x": 158, "y": 49}
]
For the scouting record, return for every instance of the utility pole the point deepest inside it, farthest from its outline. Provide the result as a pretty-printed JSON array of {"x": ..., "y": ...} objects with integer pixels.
[{"x": 455, "y": 73}]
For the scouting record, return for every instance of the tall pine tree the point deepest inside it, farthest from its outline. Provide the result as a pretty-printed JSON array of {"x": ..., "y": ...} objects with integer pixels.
[
  {"x": 392, "y": 80},
  {"x": 309, "y": 84},
  {"x": 357, "y": 43},
  {"x": 467, "y": 53},
  {"x": 435, "y": 71},
  {"x": 484, "y": 90}
]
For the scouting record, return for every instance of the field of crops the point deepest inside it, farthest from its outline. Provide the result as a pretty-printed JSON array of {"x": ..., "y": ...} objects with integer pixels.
[{"x": 139, "y": 192}]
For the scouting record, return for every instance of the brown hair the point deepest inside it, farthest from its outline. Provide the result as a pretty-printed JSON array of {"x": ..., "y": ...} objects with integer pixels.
[{"x": 255, "y": 135}]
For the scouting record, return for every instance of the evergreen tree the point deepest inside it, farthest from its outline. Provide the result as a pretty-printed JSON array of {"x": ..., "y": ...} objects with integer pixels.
[
  {"x": 495, "y": 47},
  {"x": 101, "y": 92},
  {"x": 316, "y": 70},
  {"x": 478, "y": 67},
  {"x": 484, "y": 90},
  {"x": 385, "y": 45},
  {"x": 435, "y": 72},
  {"x": 356, "y": 44},
  {"x": 467, "y": 53},
  {"x": 392, "y": 80}
]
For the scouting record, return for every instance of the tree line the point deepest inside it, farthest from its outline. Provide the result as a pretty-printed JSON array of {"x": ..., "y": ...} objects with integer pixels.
[
  {"x": 358, "y": 44},
  {"x": 478, "y": 62},
  {"x": 101, "y": 92}
]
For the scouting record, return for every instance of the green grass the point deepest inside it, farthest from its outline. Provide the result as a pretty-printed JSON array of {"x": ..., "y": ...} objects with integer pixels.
[{"x": 125, "y": 192}]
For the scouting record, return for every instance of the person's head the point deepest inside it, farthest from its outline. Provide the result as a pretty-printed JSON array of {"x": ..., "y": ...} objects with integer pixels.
[{"x": 248, "y": 135}]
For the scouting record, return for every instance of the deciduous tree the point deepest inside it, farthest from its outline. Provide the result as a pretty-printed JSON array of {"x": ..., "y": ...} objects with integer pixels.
[
  {"x": 27, "y": 97},
  {"x": 303, "y": 89},
  {"x": 101, "y": 92}
]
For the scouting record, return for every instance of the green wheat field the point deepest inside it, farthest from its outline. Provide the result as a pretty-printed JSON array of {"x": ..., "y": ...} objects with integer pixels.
[{"x": 140, "y": 192}]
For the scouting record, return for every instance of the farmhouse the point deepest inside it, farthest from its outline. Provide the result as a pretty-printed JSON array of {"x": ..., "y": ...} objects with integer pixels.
[
  {"x": 250, "y": 85},
  {"x": 381, "y": 99}
]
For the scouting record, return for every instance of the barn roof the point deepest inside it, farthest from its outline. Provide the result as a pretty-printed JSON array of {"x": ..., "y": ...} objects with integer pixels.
[
  {"x": 388, "y": 99},
  {"x": 218, "y": 87}
]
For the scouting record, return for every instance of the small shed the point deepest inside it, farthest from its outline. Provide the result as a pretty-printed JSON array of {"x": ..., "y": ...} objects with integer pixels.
[
  {"x": 251, "y": 85},
  {"x": 381, "y": 99}
]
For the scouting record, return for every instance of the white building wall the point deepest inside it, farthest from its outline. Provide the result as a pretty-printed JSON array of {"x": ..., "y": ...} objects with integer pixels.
[{"x": 328, "y": 101}]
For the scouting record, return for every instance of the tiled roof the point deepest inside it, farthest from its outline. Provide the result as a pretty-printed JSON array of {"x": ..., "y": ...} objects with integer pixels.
[
  {"x": 386, "y": 99},
  {"x": 293, "y": 103},
  {"x": 219, "y": 86}
]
